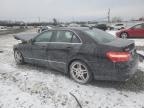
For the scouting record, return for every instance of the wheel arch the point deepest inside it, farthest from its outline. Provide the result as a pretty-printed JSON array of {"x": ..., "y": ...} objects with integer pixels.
[
  {"x": 124, "y": 32},
  {"x": 77, "y": 59},
  {"x": 83, "y": 61},
  {"x": 16, "y": 49}
]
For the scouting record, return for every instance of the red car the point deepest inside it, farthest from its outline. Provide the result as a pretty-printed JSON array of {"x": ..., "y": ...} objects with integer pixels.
[{"x": 136, "y": 31}]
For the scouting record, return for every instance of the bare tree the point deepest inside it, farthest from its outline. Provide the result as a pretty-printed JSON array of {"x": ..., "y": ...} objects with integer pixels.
[
  {"x": 141, "y": 19},
  {"x": 55, "y": 21}
]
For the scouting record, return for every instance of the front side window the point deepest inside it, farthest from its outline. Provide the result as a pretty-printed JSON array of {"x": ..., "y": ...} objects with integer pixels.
[{"x": 44, "y": 37}]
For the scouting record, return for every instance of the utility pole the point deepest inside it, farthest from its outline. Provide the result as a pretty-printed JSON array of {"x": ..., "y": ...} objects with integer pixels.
[
  {"x": 109, "y": 15},
  {"x": 39, "y": 19}
]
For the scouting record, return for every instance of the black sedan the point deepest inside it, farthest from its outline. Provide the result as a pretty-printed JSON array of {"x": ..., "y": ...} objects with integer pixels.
[{"x": 82, "y": 53}]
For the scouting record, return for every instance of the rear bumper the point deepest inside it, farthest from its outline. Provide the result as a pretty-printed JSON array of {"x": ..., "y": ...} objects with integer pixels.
[
  {"x": 114, "y": 71},
  {"x": 127, "y": 70}
]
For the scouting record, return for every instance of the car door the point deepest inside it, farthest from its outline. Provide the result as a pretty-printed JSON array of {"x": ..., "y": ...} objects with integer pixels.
[
  {"x": 64, "y": 44},
  {"x": 40, "y": 46},
  {"x": 26, "y": 50},
  {"x": 137, "y": 31}
]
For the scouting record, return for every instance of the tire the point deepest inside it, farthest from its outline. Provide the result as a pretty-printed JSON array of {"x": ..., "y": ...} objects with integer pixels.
[
  {"x": 18, "y": 57},
  {"x": 124, "y": 35},
  {"x": 79, "y": 72}
]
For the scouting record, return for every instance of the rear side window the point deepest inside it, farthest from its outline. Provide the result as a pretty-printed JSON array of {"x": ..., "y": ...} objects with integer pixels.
[
  {"x": 65, "y": 36},
  {"x": 100, "y": 36},
  {"x": 75, "y": 39}
]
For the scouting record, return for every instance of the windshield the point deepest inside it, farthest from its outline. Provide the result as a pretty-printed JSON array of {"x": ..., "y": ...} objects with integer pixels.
[{"x": 100, "y": 36}]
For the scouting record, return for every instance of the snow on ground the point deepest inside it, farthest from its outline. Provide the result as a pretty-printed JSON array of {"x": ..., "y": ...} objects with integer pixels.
[
  {"x": 113, "y": 32},
  {"x": 30, "y": 86}
]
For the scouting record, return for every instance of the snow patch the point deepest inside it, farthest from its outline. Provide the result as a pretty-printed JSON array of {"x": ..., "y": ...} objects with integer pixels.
[{"x": 29, "y": 86}]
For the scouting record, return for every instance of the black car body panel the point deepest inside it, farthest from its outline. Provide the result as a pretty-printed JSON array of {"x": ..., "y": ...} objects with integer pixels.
[
  {"x": 120, "y": 42},
  {"x": 59, "y": 55}
]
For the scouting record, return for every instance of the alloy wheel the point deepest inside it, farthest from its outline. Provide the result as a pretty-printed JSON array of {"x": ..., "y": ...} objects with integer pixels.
[
  {"x": 124, "y": 35},
  {"x": 18, "y": 57},
  {"x": 79, "y": 72}
]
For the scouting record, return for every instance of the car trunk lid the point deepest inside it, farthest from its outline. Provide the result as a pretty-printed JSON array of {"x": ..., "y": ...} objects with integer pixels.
[{"x": 123, "y": 44}]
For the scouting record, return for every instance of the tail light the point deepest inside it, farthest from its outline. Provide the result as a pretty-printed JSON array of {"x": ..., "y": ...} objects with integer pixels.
[{"x": 118, "y": 56}]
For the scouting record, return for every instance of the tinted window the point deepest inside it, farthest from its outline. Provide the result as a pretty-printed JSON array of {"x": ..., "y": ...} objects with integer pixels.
[
  {"x": 143, "y": 26},
  {"x": 100, "y": 36},
  {"x": 65, "y": 36},
  {"x": 44, "y": 37},
  {"x": 119, "y": 25},
  {"x": 138, "y": 26},
  {"x": 75, "y": 39}
]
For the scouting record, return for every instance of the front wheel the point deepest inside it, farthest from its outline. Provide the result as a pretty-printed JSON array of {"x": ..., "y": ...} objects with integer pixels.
[
  {"x": 124, "y": 35},
  {"x": 18, "y": 57},
  {"x": 80, "y": 72}
]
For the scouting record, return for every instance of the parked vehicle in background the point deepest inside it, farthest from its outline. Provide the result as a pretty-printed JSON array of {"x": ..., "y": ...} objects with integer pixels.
[
  {"x": 82, "y": 53},
  {"x": 101, "y": 27},
  {"x": 136, "y": 31},
  {"x": 74, "y": 25},
  {"x": 109, "y": 27},
  {"x": 3, "y": 28},
  {"x": 119, "y": 26},
  {"x": 43, "y": 28},
  {"x": 62, "y": 25}
]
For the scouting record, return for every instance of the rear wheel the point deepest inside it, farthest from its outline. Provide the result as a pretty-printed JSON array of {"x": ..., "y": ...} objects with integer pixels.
[
  {"x": 80, "y": 72},
  {"x": 18, "y": 57},
  {"x": 124, "y": 35}
]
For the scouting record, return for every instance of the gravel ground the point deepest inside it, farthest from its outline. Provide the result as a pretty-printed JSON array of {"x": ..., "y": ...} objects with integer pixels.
[{"x": 30, "y": 86}]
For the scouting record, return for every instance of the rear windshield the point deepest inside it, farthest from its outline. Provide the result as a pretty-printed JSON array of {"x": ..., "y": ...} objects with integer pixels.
[{"x": 100, "y": 36}]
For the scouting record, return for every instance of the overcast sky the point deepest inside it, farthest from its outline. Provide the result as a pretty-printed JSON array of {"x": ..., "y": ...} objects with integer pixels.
[{"x": 30, "y": 10}]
